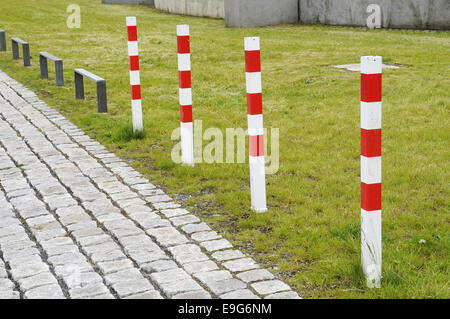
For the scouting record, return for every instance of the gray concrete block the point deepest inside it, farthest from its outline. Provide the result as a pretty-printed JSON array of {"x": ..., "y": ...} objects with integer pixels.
[{"x": 257, "y": 13}]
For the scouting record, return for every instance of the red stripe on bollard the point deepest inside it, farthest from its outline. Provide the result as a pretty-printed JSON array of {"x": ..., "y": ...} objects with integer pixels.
[
  {"x": 370, "y": 87},
  {"x": 371, "y": 142},
  {"x": 252, "y": 61},
  {"x": 135, "y": 92},
  {"x": 134, "y": 63},
  {"x": 132, "y": 33},
  {"x": 183, "y": 44},
  {"x": 371, "y": 196},
  {"x": 254, "y": 103},
  {"x": 256, "y": 145},
  {"x": 186, "y": 113},
  {"x": 184, "y": 78}
]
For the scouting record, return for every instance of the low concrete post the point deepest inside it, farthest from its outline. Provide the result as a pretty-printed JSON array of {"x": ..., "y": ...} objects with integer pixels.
[
  {"x": 2, "y": 40},
  {"x": 79, "y": 86},
  {"x": 59, "y": 70},
  {"x": 101, "y": 97},
  {"x": 15, "y": 50},
  {"x": 43, "y": 66},
  {"x": 26, "y": 54}
]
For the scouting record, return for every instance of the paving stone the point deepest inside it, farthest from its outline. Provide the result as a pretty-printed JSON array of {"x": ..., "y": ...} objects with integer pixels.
[
  {"x": 200, "y": 266},
  {"x": 127, "y": 288},
  {"x": 171, "y": 275},
  {"x": 72, "y": 219},
  {"x": 126, "y": 232},
  {"x": 177, "y": 287},
  {"x": 67, "y": 258},
  {"x": 38, "y": 280},
  {"x": 95, "y": 240},
  {"x": 182, "y": 220},
  {"x": 28, "y": 270},
  {"x": 45, "y": 292},
  {"x": 255, "y": 275},
  {"x": 6, "y": 284},
  {"x": 50, "y": 234},
  {"x": 83, "y": 226},
  {"x": 9, "y": 294},
  {"x": 70, "y": 269},
  {"x": 143, "y": 186},
  {"x": 166, "y": 205},
  {"x": 70, "y": 211},
  {"x": 152, "y": 294},
  {"x": 87, "y": 232},
  {"x": 102, "y": 296},
  {"x": 283, "y": 295},
  {"x": 61, "y": 249},
  {"x": 159, "y": 265},
  {"x": 127, "y": 275},
  {"x": 3, "y": 273},
  {"x": 227, "y": 255},
  {"x": 239, "y": 294},
  {"x": 213, "y": 276},
  {"x": 109, "y": 255},
  {"x": 141, "y": 241},
  {"x": 242, "y": 264},
  {"x": 169, "y": 213},
  {"x": 158, "y": 198},
  {"x": 100, "y": 248},
  {"x": 187, "y": 253},
  {"x": 167, "y": 236},
  {"x": 214, "y": 245},
  {"x": 224, "y": 286},
  {"x": 203, "y": 236},
  {"x": 199, "y": 294},
  {"x": 192, "y": 228},
  {"x": 269, "y": 287},
  {"x": 108, "y": 267},
  {"x": 142, "y": 257},
  {"x": 16, "y": 252}
]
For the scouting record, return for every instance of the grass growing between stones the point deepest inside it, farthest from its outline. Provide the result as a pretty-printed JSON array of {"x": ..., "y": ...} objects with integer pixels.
[{"x": 310, "y": 237}]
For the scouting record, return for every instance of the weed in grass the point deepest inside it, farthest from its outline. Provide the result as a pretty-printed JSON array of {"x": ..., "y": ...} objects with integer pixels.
[{"x": 125, "y": 133}]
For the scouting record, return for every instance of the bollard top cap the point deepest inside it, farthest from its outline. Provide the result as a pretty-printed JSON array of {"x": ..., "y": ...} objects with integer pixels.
[
  {"x": 182, "y": 29},
  {"x": 371, "y": 64},
  {"x": 131, "y": 21},
  {"x": 251, "y": 44}
]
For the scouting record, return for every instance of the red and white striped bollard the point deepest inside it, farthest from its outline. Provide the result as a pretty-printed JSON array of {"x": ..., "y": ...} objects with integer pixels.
[
  {"x": 135, "y": 81},
  {"x": 255, "y": 124},
  {"x": 371, "y": 109},
  {"x": 185, "y": 94}
]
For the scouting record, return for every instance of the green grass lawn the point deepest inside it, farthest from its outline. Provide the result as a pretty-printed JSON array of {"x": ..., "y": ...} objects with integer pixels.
[{"x": 310, "y": 236}]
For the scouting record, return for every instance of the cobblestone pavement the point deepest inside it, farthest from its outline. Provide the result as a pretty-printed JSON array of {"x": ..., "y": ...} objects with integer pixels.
[{"x": 77, "y": 222}]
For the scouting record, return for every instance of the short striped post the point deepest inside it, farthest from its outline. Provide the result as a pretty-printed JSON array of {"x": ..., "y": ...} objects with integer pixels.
[
  {"x": 185, "y": 92},
  {"x": 255, "y": 124},
  {"x": 371, "y": 67},
  {"x": 135, "y": 80}
]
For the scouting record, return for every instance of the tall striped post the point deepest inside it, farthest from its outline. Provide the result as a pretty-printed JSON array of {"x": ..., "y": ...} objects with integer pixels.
[
  {"x": 185, "y": 92},
  {"x": 135, "y": 80},
  {"x": 371, "y": 68},
  {"x": 255, "y": 124}
]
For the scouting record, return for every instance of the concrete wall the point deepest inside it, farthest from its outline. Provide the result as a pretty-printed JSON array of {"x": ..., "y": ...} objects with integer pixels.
[
  {"x": 201, "y": 8},
  {"x": 256, "y": 13},
  {"x": 409, "y": 14},
  {"x": 129, "y": 1}
]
